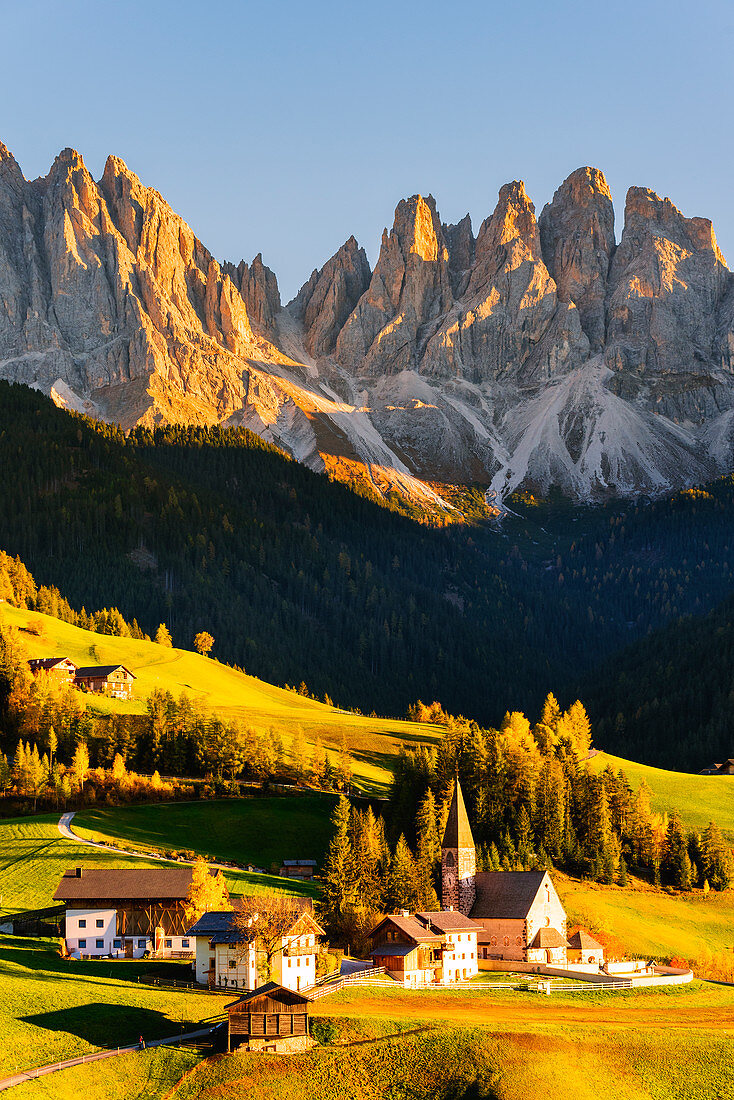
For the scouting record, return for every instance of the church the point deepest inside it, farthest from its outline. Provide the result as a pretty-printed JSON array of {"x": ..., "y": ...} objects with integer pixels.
[{"x": 519, "y": 912}]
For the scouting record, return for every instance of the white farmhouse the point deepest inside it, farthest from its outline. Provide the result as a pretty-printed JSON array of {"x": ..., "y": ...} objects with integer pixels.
[{"x": 228, "y": 957}]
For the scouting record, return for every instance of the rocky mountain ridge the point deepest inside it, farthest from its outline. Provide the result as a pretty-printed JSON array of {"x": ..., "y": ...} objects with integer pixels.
[{"x": 538, "y": 353}]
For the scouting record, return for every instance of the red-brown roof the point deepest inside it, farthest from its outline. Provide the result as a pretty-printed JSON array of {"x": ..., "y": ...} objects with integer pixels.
[
  {"x": 548, "y": 937},
  {"x": 449, "y": 921},
  {"x": 409, "y": 926},
  {"x": 123, "y": 883},
  {"x": 582, "y": 941}
]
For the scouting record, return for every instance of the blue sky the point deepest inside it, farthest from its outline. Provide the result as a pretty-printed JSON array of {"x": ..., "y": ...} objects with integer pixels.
[{"x": 284, "y": 127}]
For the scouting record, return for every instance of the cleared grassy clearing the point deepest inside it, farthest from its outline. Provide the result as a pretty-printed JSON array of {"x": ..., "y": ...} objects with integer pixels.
[
  {"x": 53, "y": 1009},
  {"x": 262, "y": 831},
  {"x": 34, "y": 855},
  {"x": 371, "y": 741}
]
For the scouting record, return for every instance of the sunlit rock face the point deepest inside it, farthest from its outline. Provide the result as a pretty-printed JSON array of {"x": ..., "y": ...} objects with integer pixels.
[
  {"x": 577, "y": 238},
  {"x": 534, "y": 353}
]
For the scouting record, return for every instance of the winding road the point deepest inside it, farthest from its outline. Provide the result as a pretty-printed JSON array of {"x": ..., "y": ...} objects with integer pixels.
[{"x": 68, "y": 834}]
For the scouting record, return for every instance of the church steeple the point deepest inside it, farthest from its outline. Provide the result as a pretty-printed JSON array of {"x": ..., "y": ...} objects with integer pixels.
[{"x": 458, "y": 857}]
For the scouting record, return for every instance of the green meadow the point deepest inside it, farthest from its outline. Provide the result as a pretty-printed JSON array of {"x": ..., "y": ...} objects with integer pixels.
[
  {"x": 475, "y": 1045},
  {"x": 697, "y": 798},
  {"x": 261, "y": 831},
  {"x": 53, "y": 1009},
  {"x": 34, "y": 855}
]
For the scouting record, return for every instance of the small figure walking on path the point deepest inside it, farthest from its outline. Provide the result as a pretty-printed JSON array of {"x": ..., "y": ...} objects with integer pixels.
[{"x": 141, "y": 1043}]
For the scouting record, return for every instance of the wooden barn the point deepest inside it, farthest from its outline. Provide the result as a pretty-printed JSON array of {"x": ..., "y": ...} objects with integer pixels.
[{"x": 270, "y": 1019}]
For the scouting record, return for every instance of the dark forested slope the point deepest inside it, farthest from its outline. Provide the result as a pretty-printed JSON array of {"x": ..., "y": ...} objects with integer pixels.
[{"x": 299, "y": 578}]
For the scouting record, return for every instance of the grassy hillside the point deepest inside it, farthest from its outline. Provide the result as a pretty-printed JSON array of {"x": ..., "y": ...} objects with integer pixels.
[
  {"x": 262, "y": 831},
  {"x": 640, "y": 920},
  {"x": 371, "y": 741},
  {"x": 697, "y": 798},
  {"x": 457, "y": 1045},
  {"x": 34, "y": 855},
  {"x": 53, "y": 1009}
]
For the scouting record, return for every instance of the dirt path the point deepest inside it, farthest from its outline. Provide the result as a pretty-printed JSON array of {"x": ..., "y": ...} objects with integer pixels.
[
  {"x": 68, "y": 834},
  {"x": 54, "y": 1067}
]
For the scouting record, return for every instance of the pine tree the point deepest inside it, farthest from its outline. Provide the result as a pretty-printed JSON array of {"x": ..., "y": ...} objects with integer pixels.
[
  {"x": 339, "y": 871},
  {"x": 163, "y": 636},
  {"x": 402, "y": 885}
]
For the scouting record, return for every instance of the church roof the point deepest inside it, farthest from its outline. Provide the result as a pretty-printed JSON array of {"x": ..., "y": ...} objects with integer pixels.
[
  {"x": 508, "y": 894},
  {"x": 548, "y": 937},
  {"x": 458, "y": 830},
  {"x": 582, "y": 941}
]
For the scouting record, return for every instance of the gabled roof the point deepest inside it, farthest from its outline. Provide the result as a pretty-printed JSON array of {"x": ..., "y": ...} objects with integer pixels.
[
  {"x": 582, "y": 941},
  {"x": 90, "y": 672},
  {"x": 457, "y": 833},
  {"x": 410, "y": 927},
  {"x": 49, "y": 662},
  {"x": 219, "y": 927},
  {"x": 508, "y": 894},
  {"x": 123, "y": 883},
  {"x": 273, "y": 992},
  {"x": 548, "y": 937},
  {"x": 398, "y": 950},
  {"x": 448, "y": 921}
]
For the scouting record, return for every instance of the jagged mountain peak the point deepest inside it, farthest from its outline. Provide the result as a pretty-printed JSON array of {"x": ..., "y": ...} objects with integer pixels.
[{"x": 537, "y": 352}]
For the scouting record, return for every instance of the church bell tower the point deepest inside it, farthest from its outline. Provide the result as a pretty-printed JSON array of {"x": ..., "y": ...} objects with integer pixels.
[{"x": 458, "y": 858}]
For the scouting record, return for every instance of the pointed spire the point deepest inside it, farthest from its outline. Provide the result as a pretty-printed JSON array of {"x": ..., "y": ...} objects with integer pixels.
[{"x": 458, "y": 832}]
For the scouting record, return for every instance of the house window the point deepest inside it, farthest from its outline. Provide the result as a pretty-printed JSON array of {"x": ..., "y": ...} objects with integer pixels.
[
  {"x": 82, "y": 944},
  {"x": 184, "y": 943},
  {"x": 83, "y": 923},
  {"x": 211, "y": 964},
  {"x": 289, "y": 962},
  {"x": 507, "y": 941},
  {"x": 117, "y": 943},
  {"x": 100, "y": 943},
  {"x": 518, "y": 941},
  {"x": 99, "y": 923},
  {"x": 493, "y": 941},
  {"x": 141, "y": 943},
  {"x": 168, "y": 943}
]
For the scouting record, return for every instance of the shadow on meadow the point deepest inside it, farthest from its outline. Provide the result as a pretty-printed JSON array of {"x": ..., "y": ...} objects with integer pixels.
[{"x": 105, "y": 1025}]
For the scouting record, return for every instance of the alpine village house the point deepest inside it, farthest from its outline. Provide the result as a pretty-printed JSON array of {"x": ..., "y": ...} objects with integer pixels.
[
  {"x": 230, "y": 957},
  {"x": 127, "y": 912},
  {"x": 113, "y": 680}
]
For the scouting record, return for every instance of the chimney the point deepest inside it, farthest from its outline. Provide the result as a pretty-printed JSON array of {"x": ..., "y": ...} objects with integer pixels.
[
  {"x": 79, "y": 871},
  {"x": 405, "y": 913}
]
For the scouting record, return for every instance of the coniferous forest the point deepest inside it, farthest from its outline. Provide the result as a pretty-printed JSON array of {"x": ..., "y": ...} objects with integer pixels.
[{"x": 299, "y": 578}]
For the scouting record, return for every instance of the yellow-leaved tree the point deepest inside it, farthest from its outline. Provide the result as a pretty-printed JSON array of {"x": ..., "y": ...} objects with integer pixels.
[{"x": 207, "y": 894}]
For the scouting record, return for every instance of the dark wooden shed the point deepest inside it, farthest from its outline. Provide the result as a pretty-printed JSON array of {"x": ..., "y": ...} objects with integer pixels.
[{"x": 261, "y": 1020}]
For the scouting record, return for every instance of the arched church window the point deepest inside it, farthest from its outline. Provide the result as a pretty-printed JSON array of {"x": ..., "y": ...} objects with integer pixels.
[
  {"x": 450, "y": 859},
  {"x": 507, "y": 941}
]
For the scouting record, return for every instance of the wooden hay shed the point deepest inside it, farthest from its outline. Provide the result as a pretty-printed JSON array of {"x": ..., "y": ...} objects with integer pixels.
[{"x": 270, "y": 1018}]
